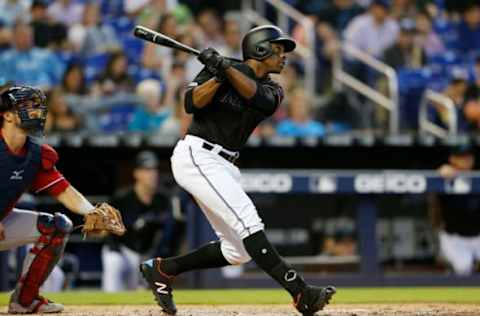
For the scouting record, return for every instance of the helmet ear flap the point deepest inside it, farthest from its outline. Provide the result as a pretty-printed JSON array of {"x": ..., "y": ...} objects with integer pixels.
[{"x": 263, "y": 50}]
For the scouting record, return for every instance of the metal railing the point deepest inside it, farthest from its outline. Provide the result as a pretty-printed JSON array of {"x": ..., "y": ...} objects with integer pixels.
[
  {"x": 341, "y": 77},
  {"x": 439, "y": 99},
  {"x": 254, "y": 12}
]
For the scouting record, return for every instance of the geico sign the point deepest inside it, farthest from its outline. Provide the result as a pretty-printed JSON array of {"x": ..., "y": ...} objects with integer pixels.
[
  {"x": 266, "y": 183},
  {"x": 390, "y": 183}
]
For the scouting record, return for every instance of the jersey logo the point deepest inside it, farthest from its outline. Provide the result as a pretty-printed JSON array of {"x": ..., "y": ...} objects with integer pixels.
[
  {"x": 161, "y": 288},
  {"x": 17, "y": 175}
]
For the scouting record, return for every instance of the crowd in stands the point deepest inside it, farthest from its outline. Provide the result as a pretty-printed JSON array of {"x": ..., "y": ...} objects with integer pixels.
[{"x": 101, "y": 79}]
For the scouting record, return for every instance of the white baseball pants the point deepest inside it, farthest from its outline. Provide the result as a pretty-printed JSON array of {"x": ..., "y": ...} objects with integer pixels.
[
  {"x": 214, "y": 182},
  {"x": 461, "y": 252}
]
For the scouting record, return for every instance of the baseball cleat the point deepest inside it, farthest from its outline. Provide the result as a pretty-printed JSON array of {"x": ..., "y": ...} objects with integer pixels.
[
  {"x": 40, "y": 305},
  {"x": 313, "y": 299},
  {"x": 160, "y": 284}
]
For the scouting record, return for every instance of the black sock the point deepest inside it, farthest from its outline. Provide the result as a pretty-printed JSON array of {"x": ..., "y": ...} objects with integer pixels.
[
  {"x": 268, "y": 259},
  {"x": 205, "y": 257}
]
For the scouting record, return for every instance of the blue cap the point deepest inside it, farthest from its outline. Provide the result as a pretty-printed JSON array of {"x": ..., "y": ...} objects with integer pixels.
[{"x": 383, "y": 3}]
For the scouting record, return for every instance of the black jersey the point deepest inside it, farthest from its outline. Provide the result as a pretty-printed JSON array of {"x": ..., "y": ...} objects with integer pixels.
[
  {"x": 230, "y": 119},
  {"x": 461, "y": 214}
]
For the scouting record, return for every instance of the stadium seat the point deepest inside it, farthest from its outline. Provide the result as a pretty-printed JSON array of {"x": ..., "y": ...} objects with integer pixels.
[
  {"x": 112, "y": 8},
  {"x": 133, "y": 48},
  {"x": 412, "y": 83},
  {"x": 122, "y": 26},
  {"x": 94, "y": 65},
  {"x": 138, "y": 73},
  {"x": 117, "y": 119}
]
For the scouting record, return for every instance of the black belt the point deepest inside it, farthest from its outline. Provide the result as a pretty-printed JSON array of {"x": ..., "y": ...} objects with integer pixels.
[{"x": 222, "y": 153}]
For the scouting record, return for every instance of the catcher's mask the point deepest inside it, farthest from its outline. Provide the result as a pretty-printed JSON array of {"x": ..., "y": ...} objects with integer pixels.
[{"x": 30, "y": 104}]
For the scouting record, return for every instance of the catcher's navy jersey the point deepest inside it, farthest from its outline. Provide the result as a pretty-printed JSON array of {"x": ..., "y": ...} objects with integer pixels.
[
  {"x": 16, "y": 174},
  {"x": 230, "y": 119}
]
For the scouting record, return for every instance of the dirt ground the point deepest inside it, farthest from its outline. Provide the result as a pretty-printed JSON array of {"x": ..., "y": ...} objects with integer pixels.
[{"x": 278, "y": 310}]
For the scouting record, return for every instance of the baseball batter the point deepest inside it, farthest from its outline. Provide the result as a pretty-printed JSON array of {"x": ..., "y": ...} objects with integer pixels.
[
  {"x": 228, "y": 100},
  {"x": 25, "y": 165}
]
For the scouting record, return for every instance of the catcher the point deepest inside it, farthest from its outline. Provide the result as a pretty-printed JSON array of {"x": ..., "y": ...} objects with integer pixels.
[{"x": 26, "y": 165}]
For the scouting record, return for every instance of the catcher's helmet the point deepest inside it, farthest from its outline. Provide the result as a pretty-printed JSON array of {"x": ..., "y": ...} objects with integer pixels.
[
  {"x": 29, "y": 103},
  {"x": 256, "y": 43}
]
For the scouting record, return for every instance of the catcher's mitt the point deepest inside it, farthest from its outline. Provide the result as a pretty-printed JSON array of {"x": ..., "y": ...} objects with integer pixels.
[{"x": 104, "y": 219}]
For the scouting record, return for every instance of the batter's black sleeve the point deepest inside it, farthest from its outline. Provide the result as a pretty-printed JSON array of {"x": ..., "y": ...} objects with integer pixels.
[
  {"x": 268, "y": 97},
  {"x": 269, "y": 94},
  {"x": 203, "y": 76}
]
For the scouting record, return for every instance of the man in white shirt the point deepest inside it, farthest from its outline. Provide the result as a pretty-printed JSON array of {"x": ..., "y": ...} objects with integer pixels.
[{"x": 374, "y": 31}]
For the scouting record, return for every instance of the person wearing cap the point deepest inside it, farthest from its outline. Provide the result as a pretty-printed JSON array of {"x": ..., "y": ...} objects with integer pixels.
[
  {"x": 374, "y": 31},
  {"x": 149, "y": 220},
  {"x": 406, "y": 52},
  {"x": 456, "y": 216},
  {"x": 456, "y": 91}
]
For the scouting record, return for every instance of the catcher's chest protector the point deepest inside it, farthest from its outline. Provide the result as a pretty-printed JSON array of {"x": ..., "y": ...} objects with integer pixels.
[{"x": 16, "y": 174}]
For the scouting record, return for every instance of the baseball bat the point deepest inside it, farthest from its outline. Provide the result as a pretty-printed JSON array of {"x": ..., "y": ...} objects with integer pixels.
[{"x": 163, "y": 40}]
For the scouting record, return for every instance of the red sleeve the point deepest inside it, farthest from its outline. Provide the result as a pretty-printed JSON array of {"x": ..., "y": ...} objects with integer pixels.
[
  {"x": 48, "y": 178},
  {"x": 49, "y": 157}
]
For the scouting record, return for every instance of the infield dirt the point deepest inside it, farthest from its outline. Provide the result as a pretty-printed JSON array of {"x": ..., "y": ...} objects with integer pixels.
[{"x": 278, "y": 310}]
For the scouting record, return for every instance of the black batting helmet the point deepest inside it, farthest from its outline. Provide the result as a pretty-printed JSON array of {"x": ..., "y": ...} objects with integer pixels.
[{"x": 256, "y": 43}]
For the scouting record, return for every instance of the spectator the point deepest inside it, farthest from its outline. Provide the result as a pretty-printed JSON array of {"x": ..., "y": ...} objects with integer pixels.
[
  {"x": 406, "y": 52},
  {"x": 469, "y": 29},
  {"x": 455, "y": 90},
  {"x": 46, "y": 33},
  {"x": 13, "y": 10},
  {"x": 374, "y": 31},
  {"x": 150, "y": 225},
  {"x": 342, "y": 243},
  {"x": 402, "y": 9},
  {"x": 115, "y": 78},
  {"x": 426, "y": 36},
  {"x": 210, "y": 25},
  {"x": 177, "y": 123},
  {"x": 91, "y": 36},
  {"x": 150, "y": 14},
  {"x": 339, "y": 13},
  {"x": 25, "y": 64},
  {"x": 73, "y": 81},
  {"x": 160, "y": 58},
  {"x": 60, "y": 118},
  {"x": 300, "y": 122},
  {"x": 231, "y": 33},
  {"x": 456, "y": 217},
  {"x": 192, "y": 65},
  {"x": 67, "y": 12},
  {"x": 149, "y": 119},
  {"x": 40, "y": 24},
  {"x": 5, "y": 36},
  {"x": 134, "y": 7}
]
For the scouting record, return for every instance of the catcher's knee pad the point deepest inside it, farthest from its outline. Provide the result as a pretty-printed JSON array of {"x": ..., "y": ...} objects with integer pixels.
[
  {"x": 234, "y": 253},
  {"x": 54, "y": 225},
  {"x": 41, "y": 259}
]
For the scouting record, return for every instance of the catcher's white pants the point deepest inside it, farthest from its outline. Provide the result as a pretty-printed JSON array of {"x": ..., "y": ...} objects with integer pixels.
[
  {"x": 21, "y": 229},
  {"x": 120, "y": 269},
  {"x": 461, "y": 252},
  {"x": 214, "y": 182}
]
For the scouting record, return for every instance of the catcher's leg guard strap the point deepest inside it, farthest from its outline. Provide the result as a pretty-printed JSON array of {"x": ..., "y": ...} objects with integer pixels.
[{"x": 41, "y": 259}]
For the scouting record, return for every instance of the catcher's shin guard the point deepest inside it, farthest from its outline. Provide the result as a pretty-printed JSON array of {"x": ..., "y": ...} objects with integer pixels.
[
  {"x": 313, "y": 299},
  {"x": 41, "y": 259},
  {"x": 160, "y": 283}
]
